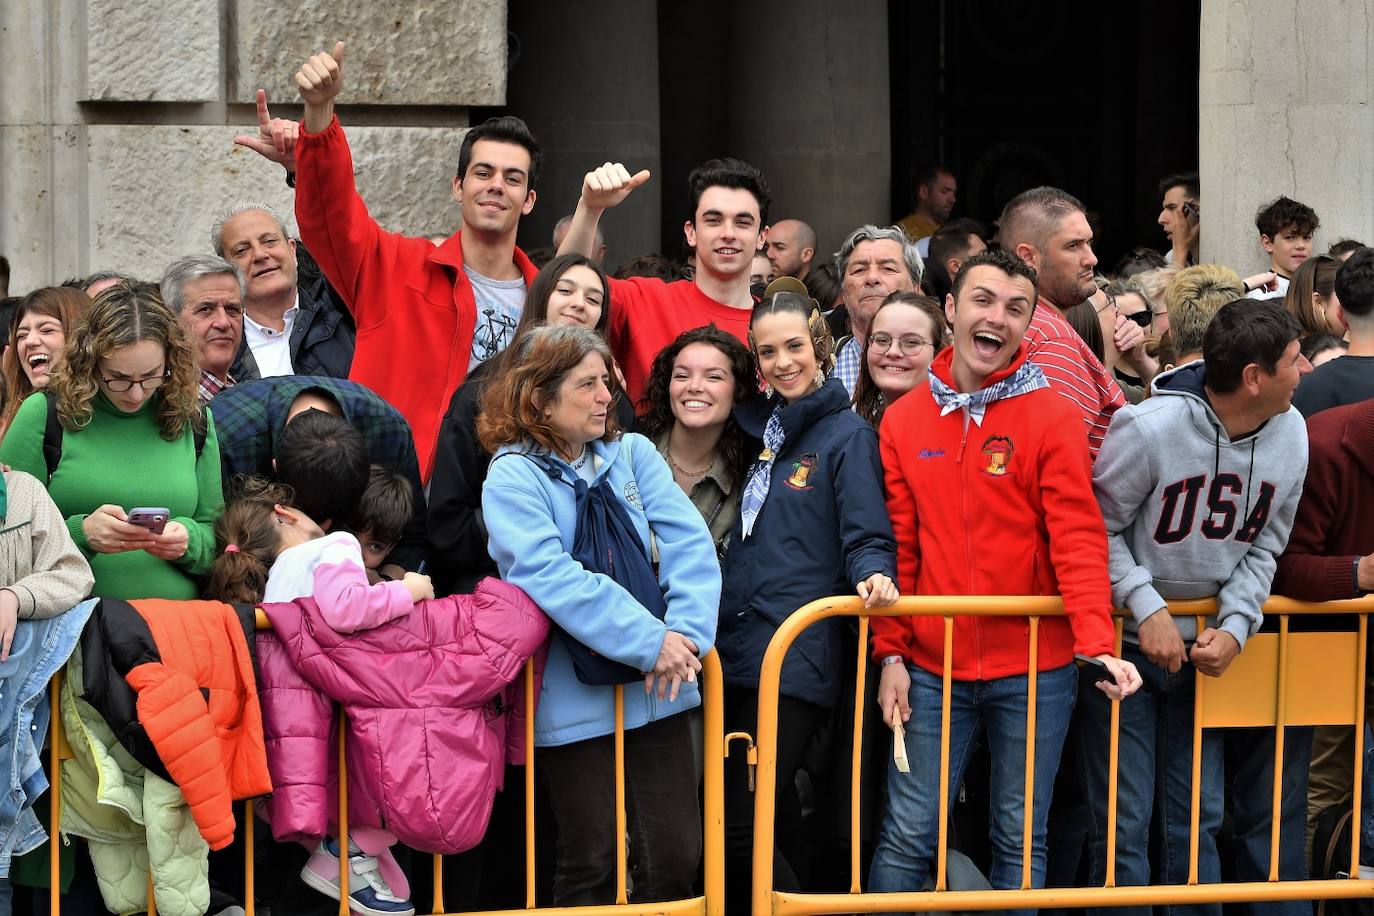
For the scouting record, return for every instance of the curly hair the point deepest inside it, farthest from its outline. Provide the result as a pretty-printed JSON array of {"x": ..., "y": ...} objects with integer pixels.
[
  {"x": 65, "y": 304},
  {"x": 249, "y": 526},
  {"x": 121, "y": 315},
  {"x": 869, "y": 402},
  {"x": 658, "y": 418},
  {"x": 512, "y": 407}
]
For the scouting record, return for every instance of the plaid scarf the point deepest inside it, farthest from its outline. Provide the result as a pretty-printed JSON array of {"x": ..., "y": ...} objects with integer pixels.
[
  {"x": 761, "y": 473},
  {"x": 1025, "y": 379}
]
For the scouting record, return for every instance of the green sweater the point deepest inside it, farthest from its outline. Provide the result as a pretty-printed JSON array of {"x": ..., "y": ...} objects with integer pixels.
[{"x": 121, "y": 459}]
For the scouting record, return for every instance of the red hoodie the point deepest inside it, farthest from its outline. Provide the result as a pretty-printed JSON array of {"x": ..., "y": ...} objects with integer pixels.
[
  {"x": 412, "y": 302},
  {"x": 1001, "y": 508}
]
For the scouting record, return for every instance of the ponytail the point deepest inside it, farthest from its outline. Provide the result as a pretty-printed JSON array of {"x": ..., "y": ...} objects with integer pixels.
[{"x": 248, "y": 543}]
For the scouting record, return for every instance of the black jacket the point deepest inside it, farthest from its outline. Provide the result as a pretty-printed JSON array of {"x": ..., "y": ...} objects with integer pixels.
[
  {"x": 322, "y": 338},
  {"x": 823, "y": 528},
  {"x": 457, "y": 536}
]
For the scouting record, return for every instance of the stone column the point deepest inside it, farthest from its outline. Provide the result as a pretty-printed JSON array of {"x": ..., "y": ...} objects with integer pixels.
[
  {"x": 1284, "y": 98},
  {"x": 117, "y": 121},
  {"x": 811, "y": 109}
]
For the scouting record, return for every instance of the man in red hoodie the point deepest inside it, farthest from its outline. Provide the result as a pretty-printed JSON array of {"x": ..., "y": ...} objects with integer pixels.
[
  {"x": 426, "y": 315},
  {"x": 989, "y": 488}
]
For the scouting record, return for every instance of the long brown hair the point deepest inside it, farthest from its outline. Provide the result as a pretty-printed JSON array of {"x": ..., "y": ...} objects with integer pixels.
[
  {"x": 1315, "y": 275},
  {"x": 247, "y": 541},
  {"x": 121, "y": 315},
  {"x": 64, "y": 303},
  {"x": 869, "y": 402},
  {"x": 513, "y": 403}
]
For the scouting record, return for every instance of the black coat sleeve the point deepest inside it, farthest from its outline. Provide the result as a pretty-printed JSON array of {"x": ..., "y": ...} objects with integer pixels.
[{"x": 457, "y": 536}]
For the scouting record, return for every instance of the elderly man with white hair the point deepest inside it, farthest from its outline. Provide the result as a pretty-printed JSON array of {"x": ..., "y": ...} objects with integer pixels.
[{"x": 873, "y": 263}]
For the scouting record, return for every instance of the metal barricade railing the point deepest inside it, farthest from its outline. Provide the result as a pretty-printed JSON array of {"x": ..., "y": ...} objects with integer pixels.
[
  {"x": 710, "y": 903},
  {"x": 1280, "y": 679}
]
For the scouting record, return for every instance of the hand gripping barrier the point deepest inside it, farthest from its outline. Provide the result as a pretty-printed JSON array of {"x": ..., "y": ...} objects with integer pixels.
[
  {"x": 713, "y": 837},
  {"x": 1280, "y": 679}
]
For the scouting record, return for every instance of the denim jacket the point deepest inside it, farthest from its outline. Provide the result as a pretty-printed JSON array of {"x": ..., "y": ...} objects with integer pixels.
[{"x": 40, "y": 648}]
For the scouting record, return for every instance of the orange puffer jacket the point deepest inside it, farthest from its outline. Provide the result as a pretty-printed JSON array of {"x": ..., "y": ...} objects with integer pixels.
[{"x": 174, "y": 680}]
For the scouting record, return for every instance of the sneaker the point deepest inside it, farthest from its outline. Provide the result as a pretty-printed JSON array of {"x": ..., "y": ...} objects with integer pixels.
[{"x": 368, "y": 892}]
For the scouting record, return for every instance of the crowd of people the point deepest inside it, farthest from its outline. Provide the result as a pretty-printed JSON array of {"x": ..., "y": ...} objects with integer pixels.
[{"x": 363, "y": 432}]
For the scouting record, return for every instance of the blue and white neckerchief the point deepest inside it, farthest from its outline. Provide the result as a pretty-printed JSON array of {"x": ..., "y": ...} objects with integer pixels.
[
  {"x": 761, "y": 473},
  {"x": 1025, "y": 379}
]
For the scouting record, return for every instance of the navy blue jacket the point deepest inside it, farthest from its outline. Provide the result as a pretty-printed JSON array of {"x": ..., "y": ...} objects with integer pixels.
[
  {"x": 823, "y": 529},
  {"x": 322, "y": 338}
]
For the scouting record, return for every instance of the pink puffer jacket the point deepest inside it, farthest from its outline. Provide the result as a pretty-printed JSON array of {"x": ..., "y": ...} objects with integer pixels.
[{"x": 435, "y": 707}]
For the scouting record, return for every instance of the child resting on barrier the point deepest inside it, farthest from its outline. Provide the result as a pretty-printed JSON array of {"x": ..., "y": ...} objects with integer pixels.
[{"x": 272, "y": 552}]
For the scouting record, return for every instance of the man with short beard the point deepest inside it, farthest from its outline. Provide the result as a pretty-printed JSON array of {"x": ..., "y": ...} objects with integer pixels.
[
  {"x": 791, "y": 246},
  {"x": 1047, "y": 229}
]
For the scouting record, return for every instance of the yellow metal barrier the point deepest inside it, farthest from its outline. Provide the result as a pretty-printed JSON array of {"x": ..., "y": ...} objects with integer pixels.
[
  {"x": 710, "y": 903},
  {"x": 1280, "y": 679}
]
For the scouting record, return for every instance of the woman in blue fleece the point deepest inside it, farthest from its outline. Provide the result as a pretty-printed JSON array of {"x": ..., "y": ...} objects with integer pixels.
[
  {"x": 549, "y": 424},
  {"x": 813, "y": 523}
]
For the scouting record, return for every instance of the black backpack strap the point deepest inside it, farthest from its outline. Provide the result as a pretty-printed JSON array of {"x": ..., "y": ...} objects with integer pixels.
[
  {"x": 199, "y": 432},
  {"x": 52, "y": 435}
]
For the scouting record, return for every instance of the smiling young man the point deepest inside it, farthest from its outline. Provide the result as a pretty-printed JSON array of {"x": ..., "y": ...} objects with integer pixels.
[
  {"x": 1199, "y": 486},
  {"x": 729, "y": 201},
  {"x": 426, "y": 315},
  {"x": 286, "y": 330},
  {"x": 990, "y": 493}
]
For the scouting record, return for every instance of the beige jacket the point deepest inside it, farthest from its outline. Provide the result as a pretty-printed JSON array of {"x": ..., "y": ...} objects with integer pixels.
[{"x": 39, "y": 563}]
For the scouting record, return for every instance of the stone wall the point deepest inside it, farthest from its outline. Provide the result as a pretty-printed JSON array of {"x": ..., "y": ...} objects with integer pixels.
[
  {"x": 1285, "y": 97},
  {"x": 117, "y": 120}
]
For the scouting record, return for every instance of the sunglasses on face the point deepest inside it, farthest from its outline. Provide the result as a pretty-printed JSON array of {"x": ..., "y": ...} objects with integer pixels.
[{"x": 1142, "y": 318}]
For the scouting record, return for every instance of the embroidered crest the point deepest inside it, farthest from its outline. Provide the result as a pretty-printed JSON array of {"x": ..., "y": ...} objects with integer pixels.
[
  {"x": 801, "y": 470},
  {"x": 997, "y": 452},
  {"x": 632, "y": 495}
]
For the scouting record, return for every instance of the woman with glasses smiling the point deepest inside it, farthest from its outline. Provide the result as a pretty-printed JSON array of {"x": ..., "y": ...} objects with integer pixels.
[
  {"x": 907, "y": 331},
  {"x": 128, "y": 433}
]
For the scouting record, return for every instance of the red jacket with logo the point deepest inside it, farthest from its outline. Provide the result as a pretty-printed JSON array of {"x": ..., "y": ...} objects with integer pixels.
[
  {"x": 1001, "y": 508},
  {"x": 414, "y": 307}
]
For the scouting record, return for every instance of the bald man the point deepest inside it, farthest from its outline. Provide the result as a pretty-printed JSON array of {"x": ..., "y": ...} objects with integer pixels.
[{"x": 791, "y": 246}]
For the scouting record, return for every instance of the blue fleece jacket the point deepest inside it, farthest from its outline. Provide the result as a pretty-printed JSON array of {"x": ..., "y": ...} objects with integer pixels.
[{"x": 531, "y": 519}]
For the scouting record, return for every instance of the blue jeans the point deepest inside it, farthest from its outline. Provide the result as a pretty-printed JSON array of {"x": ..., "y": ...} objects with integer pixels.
[
  {"x": 905, "y": 857},
  {"x": 1155, "y": 754}
]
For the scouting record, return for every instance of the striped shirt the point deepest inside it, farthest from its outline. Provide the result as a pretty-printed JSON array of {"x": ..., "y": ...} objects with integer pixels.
[{"x": 1073, "y": 371}]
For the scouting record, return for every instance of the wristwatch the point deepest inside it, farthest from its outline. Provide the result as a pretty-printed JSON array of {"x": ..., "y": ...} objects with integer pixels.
[{"x": 891, "y": 660}]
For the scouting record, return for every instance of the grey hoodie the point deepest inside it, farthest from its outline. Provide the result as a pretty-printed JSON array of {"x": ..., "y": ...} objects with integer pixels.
[{"x": 1192, "y": 514}]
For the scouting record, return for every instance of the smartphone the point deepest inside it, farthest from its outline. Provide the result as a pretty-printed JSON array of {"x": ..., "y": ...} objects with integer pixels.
[
  {"x": 154, "y": 519},
  {"x": 1100, "y": 671},
  {"x": 1190, "y": 212}
]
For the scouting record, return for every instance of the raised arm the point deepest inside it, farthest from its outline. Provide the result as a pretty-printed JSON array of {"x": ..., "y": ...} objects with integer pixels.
[{"x": 602, "y": 188}]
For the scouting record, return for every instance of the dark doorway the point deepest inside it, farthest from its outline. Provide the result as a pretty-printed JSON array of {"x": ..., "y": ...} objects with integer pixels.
[{"x": 1099, "y": 99}]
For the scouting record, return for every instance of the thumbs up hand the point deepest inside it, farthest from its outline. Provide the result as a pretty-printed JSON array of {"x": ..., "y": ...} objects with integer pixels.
[{"x": 319, "y": 80}]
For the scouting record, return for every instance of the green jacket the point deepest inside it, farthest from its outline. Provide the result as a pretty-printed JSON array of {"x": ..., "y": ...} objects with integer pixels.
[{"x": 134, "y": 821}]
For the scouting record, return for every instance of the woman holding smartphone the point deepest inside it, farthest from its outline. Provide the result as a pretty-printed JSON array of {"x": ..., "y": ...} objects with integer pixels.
[{"x": 130, "y": 435}]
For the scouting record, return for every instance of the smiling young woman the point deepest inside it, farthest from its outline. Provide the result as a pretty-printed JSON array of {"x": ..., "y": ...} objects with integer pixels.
[
  {"x": 38, "y": 333},
  {"x": 908, "y": 330}
]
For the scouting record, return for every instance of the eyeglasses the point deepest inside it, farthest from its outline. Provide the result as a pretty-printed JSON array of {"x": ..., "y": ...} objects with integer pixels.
[
  {"x": 909, "y": 344},
  {"x": 121, "y": 385},
  {"x": 1142, "y": 318}
]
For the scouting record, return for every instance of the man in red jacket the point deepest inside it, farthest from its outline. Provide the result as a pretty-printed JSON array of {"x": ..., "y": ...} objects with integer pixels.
[
  {"x": 426, "y": 315},
  {"x": 990, "y": 492},
  {"x": 1330, "y": 556}
]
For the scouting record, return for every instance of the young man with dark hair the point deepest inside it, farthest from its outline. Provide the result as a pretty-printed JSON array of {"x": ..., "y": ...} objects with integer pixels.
[
  {"x": 1047, "y": 228},
  {"x": 990, "y": 492},
  {"x": 426, "y": 315},
  {"x": 324, "y": 462},
  {"x": 729, "y": 202},
  {"x": 1352, "y": 307},
  {"x": 1180, "y": 216},
  {"x": 1285, "y": 229},
  {"x": 935, "y": 189},
  {"x": 1198, "y": 487},
  {"x": 951, "y": 245}
]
